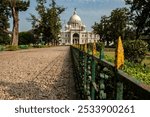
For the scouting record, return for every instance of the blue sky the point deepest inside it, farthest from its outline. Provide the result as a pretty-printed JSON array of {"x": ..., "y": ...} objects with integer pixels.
[{"x": 90, "y": 11}]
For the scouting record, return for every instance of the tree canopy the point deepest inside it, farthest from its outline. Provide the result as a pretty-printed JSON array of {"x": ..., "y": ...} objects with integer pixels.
[
  {"x": 141, "y": 11},
  {"x": 48, "y": 23},
  {"x": 12, "y": 8},
  {"x": 111, "y": 27}
]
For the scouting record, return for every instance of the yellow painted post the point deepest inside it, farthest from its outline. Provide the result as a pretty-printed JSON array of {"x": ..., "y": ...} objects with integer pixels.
[
  {"x": 119, "y": 62},
  {"x": 119, "y": 54},
  {"x": 94, "y": 48}
]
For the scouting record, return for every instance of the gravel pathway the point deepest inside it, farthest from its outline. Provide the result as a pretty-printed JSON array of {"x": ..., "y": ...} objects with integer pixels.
[{"x": 37, "y": 74}]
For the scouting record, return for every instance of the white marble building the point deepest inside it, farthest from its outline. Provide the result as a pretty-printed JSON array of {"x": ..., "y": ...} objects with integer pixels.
[{"x": 75, "y": 32}]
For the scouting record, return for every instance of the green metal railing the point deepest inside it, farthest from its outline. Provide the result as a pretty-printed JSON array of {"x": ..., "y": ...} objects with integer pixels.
[{"x": 97, "y": 79}]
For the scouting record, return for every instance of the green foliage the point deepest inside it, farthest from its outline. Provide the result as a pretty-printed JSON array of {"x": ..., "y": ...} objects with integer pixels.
[
  {"x": 48, "y": 24},
  {"x": 135, "y": 50},
  {"x": 12, "y": 8},
  {"x": 26, "y": 38},
  {"x": 23, "y": 46},
  {"x": 140, "y": 72},
  {"x": 39, "y": 46},
  {"x": 99, "y": 46},
  {"x": 103, "y": 28},
  {"x": 4, "y": 39},
  {"x": 119, "y": 22},
  {"x": 1, "y": 48},
  {"x": 141, "y": 11},
  {"x": 11, "y": 48},
  {"x": 90, "y": 46},
  {"x": 111, "y": 27},
  {"x": 109, "y": 59}
]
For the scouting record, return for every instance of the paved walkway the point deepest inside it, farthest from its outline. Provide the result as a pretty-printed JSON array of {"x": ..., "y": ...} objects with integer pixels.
[{"x": 37, "y": 74}]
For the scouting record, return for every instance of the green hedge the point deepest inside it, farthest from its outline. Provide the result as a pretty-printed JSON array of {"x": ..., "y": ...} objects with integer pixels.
[
  {"x": 1, "y": 48},
  {"x": 11, "y": 48},
  {"x": 23, "y": 46}
]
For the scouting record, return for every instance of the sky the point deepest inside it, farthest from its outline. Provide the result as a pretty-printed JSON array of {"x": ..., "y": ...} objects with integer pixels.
[{"x": 90, "y": 11}]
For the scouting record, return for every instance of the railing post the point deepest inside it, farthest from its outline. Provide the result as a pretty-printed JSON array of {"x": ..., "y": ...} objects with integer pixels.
[
  {"x": 80, "y": 73},
  {"x": 101, "y": 53},
  {"x": 85, "y": 69},
  {"x": 93, "y": 71},
  {"x": 93, "y": 79},
  {"x": 119, "y": 91},
  {"x": 88, "y": 75},
  {"x": 102, "y": 93},
  {"x": 119, "y": 61},
  {"x": 119, "y": 87}
]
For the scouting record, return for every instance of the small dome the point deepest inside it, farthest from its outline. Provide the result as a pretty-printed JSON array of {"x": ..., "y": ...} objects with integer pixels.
[{"x": 75, "y": 18}]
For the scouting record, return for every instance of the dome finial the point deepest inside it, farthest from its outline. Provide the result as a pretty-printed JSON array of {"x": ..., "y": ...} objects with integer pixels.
[{"x": 75, "y": 11}]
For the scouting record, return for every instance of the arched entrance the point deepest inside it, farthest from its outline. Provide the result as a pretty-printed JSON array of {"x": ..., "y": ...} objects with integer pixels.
[{"x": 76, "y": 38}]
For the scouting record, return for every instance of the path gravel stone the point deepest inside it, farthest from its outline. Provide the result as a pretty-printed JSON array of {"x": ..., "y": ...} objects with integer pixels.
[{"x": 33, "y": 74}]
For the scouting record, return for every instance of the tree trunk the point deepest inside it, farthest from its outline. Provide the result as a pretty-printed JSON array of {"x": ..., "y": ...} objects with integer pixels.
[
  {"x": 15, "y": 15},
  {"x": 107, "y": 45}
]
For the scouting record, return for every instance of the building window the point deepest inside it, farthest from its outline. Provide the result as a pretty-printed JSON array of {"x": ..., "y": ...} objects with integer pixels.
[{"x": 82, "y": 41}]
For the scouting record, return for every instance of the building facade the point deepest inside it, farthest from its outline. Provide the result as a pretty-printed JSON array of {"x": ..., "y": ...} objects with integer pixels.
[{"x": 75, "y": 32}]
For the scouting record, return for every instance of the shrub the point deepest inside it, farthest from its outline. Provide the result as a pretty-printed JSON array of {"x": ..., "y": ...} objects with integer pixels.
[
  {"x": 1, "y": 48},
  {"x": 140, "y": 72},
  {"x": 23, "y": 46},
  {"x": 39, "y": 46},
  {"x": 26, "y": 38},
  {"x": 4, "y": 39},
  {"x": 11, "y": 48},
  {"x": 135, "y": 50},
  {"x": 109, "y": 59}
]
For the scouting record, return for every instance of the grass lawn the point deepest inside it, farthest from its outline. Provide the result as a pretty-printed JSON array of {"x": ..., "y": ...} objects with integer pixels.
[
  {"x": 139, "y": 72},
  {"x": 111, "y": 53},
  {"x": 147, "y": 61}
]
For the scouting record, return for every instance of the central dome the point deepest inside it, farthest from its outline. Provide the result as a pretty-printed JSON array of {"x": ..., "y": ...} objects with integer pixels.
[{"x": 75, "y": 18}]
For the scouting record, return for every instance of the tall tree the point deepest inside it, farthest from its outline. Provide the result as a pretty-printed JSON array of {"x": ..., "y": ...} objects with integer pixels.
[
  {"x": 141, "y": 11},
  {"x": 111, "y": 27},
  {"x": 16, "y": 6},
  {"x": 13, "y": 7},
  {"x": 103, "y": 29},
  {"x": 49, "y": 22},
  {"x": 119, "y": 22}
]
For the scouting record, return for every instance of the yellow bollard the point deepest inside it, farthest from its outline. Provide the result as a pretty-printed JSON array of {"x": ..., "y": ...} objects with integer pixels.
[
  {"x": 94, "y": 48},
  {"x": 85, "y": 48}
]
